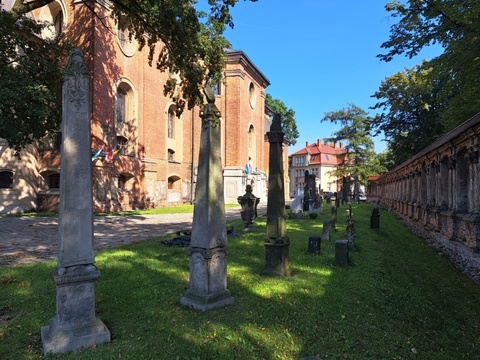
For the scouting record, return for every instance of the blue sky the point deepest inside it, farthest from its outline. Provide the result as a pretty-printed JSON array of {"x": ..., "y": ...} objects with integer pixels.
[{"x": 319, "y": 55}]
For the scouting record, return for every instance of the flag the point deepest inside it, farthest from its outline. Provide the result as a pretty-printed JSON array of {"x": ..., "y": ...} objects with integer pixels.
[
  {"x": 110, "y": 155},
  {"x": 97, "y": 154}
]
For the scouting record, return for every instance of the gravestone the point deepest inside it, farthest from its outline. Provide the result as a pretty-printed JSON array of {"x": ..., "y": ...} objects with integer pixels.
[
  {"x": 375, "y": 219},
  {"x": 75, "y": 325},
  {"x": 208, "y": 244},
  {"x": 276, "y": 242},
  {"x": 341, "y": 252},
  {"x": 314, "y": 243},
  {"x": 296, "y": 206},
  {"x": 326, "y": 231},
  {"x": 333, "y": 213}
]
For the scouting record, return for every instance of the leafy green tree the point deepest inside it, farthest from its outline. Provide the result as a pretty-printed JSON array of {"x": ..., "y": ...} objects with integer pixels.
[
  {"x": 410, "y": 104},
  {"x": 29, "y": 81},
  {"x": 455, "y": 26},
  {"x": 289, "y": 123},
  {"x": 355, "y": 130},
  {"x": 182, "y": 39}
]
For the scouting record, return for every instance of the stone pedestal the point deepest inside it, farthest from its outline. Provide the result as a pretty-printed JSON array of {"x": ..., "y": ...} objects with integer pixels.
[
  {"x": 74, "y": 326},
  {"x": 277, "y": 258},
  {"x": 208, "y": 285}
]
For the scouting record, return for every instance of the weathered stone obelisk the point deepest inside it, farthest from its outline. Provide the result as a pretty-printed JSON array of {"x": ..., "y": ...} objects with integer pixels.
[
  {"x": 208, "y": 245},
  {"x": 75, "y": 325},
  {"x": 276, "y": 243}
]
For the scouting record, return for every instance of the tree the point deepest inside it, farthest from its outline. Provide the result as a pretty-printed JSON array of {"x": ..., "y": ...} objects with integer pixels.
[
  {"x": 29, "y": 81},
  {"x": 454, "y": 25},
  {"x": 410, "y": 104},
  {"x": 355, "y": 130},
  {"x": 289, "y": 124},
  {"x": 181, "y": 39}
]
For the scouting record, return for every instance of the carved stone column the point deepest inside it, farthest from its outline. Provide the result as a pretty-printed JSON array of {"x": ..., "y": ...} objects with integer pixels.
[
  {"x": 276, "y": 243},
  {"x": 208, "y": 245},
  {"x": 75, "y": 325}
]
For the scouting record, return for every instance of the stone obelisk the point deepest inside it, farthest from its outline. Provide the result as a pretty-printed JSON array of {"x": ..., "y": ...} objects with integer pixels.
[
  {"x": 208, "y": 245},
  {"x": 276, "y": 243},
  {"x": 75, "y": 325}
]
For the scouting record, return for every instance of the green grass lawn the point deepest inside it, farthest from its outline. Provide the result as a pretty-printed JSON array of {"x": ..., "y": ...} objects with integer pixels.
[{"x": 398, "y": 299}]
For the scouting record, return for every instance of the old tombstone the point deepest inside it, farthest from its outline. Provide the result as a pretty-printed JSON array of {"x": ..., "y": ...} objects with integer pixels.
[
  {"x": 249, "y": 204},
  {"x": 309, "y": 192},
  {"x": 326, "y": 230},
  {"x": 341, "y": 252},
  {"x": 75, "y": 325},
  {"x": 208, "y": 245},
  {"x": 333, "y": 220},
  {"x": 314, "y": 243},
  {"x": 276, "y": 242},
  {"x": 296, "y": 206},
  {"x": 375, "y": 218}
]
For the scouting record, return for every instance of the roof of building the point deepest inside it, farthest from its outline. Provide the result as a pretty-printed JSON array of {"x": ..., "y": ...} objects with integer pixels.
[
  {"x": 325, "y": 154},
  {"x": 238, "y": 56}
]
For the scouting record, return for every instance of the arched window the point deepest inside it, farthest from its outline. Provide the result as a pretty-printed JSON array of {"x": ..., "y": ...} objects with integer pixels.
[
  {"x": 171, "y": 122},
  {"x": 6, "y": 179},
  {"x": 121, "y": 105},
  {"x": 53, "y": 13},
  {"x": 252, "y": 145},
  {"x": 127, "y": 43},
  {"x": 252, "y": 95},
  {"x": 171, "y": 181},
  {"x": 125, "y": 123},
  {"x": 58, "y": 22}
]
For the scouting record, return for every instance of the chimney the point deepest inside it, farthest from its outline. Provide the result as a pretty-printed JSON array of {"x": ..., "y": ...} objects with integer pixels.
[
  {"x": 334, "y": 145},
  {"x": 341, "y": 145},
  {"x": 306, "y": 144},
  {"x": 319, "y": 142}
]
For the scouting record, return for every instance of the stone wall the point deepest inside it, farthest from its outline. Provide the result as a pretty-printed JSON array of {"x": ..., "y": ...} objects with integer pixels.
[{"x": 439, "y": 188}]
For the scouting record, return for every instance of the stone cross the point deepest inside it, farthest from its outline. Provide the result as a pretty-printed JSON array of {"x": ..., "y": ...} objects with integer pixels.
[
  {"x": 276, "y": 242},
  {"x": 75, "y": 325},
  {"x": 208, "y": 245}
]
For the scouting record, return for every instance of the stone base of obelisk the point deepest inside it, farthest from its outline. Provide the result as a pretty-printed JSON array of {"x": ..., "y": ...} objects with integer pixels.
[
  {"x": 208, "y": 280},
  {"x": 277, "y": 258},
  {"x": 74, "y": 326}
]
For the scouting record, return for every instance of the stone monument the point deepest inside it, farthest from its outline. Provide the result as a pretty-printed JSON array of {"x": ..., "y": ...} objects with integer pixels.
[
  {"x": 208, "y": 245},
  {"x": 276, "y": 242},
  {"x": 75, "y": 325},
  {"x": 249, "y": 204}
]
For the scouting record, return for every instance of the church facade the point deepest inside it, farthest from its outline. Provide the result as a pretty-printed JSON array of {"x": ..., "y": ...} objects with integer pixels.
[{"x": 143, "y": 154}]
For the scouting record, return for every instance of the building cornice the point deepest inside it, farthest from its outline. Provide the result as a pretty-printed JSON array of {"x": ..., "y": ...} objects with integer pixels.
[{"x": 239, "y": 57}]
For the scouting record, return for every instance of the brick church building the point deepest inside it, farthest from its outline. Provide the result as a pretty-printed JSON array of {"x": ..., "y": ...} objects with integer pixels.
[{"x": 147, "y": 156}]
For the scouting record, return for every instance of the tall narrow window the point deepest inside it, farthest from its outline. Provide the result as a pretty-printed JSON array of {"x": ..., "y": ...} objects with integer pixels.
[
  {"x": 58, "y": 23},
  {"x": 171, "y": 122},
  {"x": 121, "y": 106}
]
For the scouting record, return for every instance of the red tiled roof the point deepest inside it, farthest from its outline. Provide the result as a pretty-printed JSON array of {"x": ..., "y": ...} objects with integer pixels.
[{"x": 322, "y": 153}]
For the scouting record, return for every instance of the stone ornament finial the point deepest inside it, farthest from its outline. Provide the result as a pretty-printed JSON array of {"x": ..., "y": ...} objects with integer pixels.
[{"x": 210, "y": 114}]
